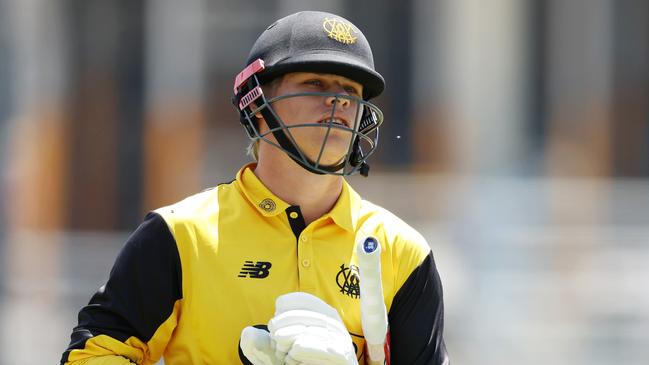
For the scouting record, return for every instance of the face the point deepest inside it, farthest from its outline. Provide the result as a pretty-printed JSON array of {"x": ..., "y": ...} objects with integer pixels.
[{"x": 318, "y": 110}]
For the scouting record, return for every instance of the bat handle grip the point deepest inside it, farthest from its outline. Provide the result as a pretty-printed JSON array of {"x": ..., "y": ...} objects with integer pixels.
[
  {"x": 373, "y": 312},
  {"x": 376, "y": 354}
]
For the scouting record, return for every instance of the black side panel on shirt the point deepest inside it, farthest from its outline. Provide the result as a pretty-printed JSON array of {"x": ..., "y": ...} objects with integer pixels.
[
  {"x": 143, "y": 286},
  {"x": 417, "y": 319}
]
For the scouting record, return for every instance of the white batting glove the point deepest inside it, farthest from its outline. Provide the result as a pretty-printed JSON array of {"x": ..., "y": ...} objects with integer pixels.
[
  {"x": 256, "y": 346},
  {"x": 306, "y": 330}
]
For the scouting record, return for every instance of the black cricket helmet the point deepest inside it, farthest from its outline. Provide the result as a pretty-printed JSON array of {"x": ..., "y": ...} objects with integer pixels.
[{"x": 319, "y": 42}]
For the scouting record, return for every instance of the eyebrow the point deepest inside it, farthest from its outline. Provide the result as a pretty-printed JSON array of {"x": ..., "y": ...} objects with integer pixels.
[{"x": 343, "y": 80}]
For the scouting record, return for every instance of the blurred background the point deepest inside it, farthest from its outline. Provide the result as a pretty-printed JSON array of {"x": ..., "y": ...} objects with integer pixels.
[{"x": 516, "y": 140}]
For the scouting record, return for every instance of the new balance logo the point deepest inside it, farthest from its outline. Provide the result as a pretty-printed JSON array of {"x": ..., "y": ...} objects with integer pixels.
[{"x": 258, "y": 270}]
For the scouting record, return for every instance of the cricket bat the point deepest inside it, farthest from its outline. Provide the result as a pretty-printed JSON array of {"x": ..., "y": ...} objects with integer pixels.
[{"x": 374, "y": 318}]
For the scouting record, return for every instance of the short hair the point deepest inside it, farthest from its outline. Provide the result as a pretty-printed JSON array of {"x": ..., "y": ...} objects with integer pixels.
[{"x": 253, "y": 149}]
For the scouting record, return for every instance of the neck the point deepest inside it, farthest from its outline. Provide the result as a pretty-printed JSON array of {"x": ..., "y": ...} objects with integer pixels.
[{"x": 315, "y": 194}]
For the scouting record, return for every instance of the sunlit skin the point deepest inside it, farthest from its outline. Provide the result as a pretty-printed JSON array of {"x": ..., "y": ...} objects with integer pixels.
[{"x": 315, "y": 194}]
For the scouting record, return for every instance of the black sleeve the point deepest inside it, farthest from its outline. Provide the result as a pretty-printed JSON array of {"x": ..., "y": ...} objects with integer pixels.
[
  {"x": 417, "y": 319},
  {"x": 143, "y": 286}
]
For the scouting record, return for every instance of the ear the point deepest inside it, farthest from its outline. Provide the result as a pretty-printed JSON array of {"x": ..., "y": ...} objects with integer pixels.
[
  {"x": 260, "y": 122},
  {"x": 254, "y": 106}
]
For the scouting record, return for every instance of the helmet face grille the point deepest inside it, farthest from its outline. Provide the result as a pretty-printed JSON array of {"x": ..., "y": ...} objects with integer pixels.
[{"x": 361, "y": 134}]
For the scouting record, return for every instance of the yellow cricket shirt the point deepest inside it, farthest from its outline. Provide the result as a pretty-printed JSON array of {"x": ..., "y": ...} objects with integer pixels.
[{"x": 195, "y": 273}]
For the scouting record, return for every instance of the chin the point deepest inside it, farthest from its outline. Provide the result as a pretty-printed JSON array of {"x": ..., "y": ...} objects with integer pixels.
[
  {"x": 329, "y": 159},
  {"x": 334, "y": 152}
]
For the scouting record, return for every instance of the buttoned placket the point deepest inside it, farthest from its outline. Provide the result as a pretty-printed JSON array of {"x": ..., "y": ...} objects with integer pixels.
[{"x": 304, "y": 259}]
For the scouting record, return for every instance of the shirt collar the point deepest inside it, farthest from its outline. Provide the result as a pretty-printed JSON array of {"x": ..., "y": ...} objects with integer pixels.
[
  {"x": 261, "y": 198},
  {"x": 345, "y": 212}
]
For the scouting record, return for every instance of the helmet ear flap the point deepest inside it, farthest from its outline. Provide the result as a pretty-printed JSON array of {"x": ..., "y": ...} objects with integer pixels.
[
  {"x": 247, "y": 89},
  {"x": 358, "y": 158},
  {"x": 369, "y": 122},
  {"x": 245, "y": 114}
]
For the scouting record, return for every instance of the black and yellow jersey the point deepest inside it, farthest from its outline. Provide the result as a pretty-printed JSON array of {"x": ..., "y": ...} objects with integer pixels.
[{"x": 195, "y": 273}]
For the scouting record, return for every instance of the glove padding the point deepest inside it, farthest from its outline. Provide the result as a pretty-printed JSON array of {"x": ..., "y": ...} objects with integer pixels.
[
  {"x": 256, "y": 347},
  {"x": 306, "y": 330}
]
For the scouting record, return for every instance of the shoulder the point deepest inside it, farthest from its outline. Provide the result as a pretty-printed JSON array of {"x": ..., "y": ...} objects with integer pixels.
[
  {"x": 406, "y": 248},
  {"x": 394, "y": 230},
  {"x": 192, "y": 206},
  {"x": 198, "y": 208},
  {"x": 195, "y": 219}
]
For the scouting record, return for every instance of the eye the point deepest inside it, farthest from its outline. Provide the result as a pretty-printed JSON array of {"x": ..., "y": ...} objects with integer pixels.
[
  {"x": 313, "y": 82},
  {"x": 352, "y": 90}
]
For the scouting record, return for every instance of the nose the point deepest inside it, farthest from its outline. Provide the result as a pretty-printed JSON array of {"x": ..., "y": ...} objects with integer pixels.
[{"x": 342, "y": 102}]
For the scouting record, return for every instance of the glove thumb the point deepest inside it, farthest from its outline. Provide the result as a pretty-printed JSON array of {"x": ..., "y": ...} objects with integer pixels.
[{"x": 256, "y": 346}]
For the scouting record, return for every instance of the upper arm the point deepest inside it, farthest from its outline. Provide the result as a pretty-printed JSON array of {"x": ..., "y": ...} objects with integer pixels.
[
  {"x": 416, "y": 318},
  {"x": 133, "y": 314}
]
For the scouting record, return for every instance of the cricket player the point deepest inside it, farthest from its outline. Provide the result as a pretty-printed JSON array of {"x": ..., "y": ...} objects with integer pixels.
[{"x": 264, "y": 269}]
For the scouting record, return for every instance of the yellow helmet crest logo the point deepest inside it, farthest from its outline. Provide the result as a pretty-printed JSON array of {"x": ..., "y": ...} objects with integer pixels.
[{"x": 339, "y": 30}]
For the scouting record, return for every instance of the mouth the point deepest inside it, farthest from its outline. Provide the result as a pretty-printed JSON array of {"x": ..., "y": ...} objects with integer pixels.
[{"x": 335, "y": 121}]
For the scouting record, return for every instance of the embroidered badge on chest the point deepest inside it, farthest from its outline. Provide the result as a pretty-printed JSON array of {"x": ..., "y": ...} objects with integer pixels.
[{"x": 348, "y": 282}]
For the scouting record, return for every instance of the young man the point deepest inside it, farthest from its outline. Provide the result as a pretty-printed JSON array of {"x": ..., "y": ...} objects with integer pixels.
[{"x": 263, "y": 270}]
